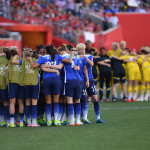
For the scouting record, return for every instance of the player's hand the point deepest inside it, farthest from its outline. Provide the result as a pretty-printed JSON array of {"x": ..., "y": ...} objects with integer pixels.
[
  {"x": 57, "y": 72},
  {"x": 75, "y": 68},
  {"x": 108, "y": 65},
  {"x": 45, "y": 65},
  {"x": 29, "y": 58},
  {"x": 87, "y": 84}
]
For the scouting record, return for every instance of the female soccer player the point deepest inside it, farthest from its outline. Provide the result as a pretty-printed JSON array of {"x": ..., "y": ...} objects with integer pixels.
[
  {"x": 91, "y": 90},
  {"x": 105, "y": 73},
  {"x": 15, "y": 90},
  {"x": 30, "y": 81},
  {"x": 4, "y": 101}
]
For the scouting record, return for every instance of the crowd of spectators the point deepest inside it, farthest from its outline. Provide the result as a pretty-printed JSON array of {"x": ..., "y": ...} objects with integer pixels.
[{"x": 66, "y": 16}]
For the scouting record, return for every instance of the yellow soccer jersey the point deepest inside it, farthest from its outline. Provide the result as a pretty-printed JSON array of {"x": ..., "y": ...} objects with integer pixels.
[
  {"x": 124, "y": 64},
  {"x": 140, "y": 60},
  {"x": 114, "y": 53}
]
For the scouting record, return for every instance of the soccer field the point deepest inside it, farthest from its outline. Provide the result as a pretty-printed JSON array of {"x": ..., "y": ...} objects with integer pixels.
[{"x": 127, "y": 127}]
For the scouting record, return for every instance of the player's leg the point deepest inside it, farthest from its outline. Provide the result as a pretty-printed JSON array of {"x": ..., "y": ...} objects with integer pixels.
[
  {"x": 48, "y": 109},
  {"x": 70, "y": 109},
  {"x": 146, "y": 91},
  {"x": 21, "y": 111},
  {"x": 35, "y": 90},
  {"x": 102, "y": 78},
  {"x": 28, "y": 111},
  {"x": 108, "y": 80},
  {"x": 84, "y": 106},
  {"x": 56, "y": 108},
  {"x": 4, "y": 108},
  {"x": 12, "y": 93},
  {"x": 115, "y": 81},
  {"x": 91, "y": 90},
  {"x": 77, "y": 111},
  {"x": 21, "y": 97},
  {"x": 135, "y": 90}
]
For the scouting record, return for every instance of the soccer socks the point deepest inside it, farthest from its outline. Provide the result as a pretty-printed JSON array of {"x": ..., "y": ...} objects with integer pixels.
[
  {"x": 70, "y": 110},
  {"x": 135, "y": 90},
  {"x": 142, "y": 89},
  {"x": 146, "y": 92},
  {"x": 129, "y": 92},
  {"x": 48, "y": 112},
  {"x": 56, "y": 110},
  {"x": 6, "y": 110},
  {"x": 21, "y": 117},
  {"x": 107, "y": 93},
  {"x": 84, "y": 108},
  {"x": 78, "y": 112},
  {"x": 12, "y": 118},
  {"x": 1, "y": 112},
  {"x": 28, "y": 114},
  {"x": 60, "y": 111},
  {"x": 34, "y": 114},
  {"x": 97, "y": 110},
  {"x": 101, "y": 93}
]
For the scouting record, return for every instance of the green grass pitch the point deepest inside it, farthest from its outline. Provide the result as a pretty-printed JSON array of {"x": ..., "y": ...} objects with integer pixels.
[{"x": 127, "y": 127}]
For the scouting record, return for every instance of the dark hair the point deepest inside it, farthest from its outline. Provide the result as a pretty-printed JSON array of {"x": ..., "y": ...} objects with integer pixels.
[
  {"x": 144, "y": 52},
  {"x": 128, "y": 49},
  {"x": 62, "y": 47},
  {"x": 50, "y": 49},
  {"x": 7, "y": 52},
  {"x": 35, "y": 55},
  {"x": 40, "y": 47},
  {"x": 13, "y": 52},
  {"x": 102, "y": 48},
  {"x": 69, "y": 46}
]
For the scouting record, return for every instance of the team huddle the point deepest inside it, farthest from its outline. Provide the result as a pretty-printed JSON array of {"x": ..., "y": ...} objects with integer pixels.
[
  {"x": 66, "y": 78},
  {"x": 51, "y": 87}
]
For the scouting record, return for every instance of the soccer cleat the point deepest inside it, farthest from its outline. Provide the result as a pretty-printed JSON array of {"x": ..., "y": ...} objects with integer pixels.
[
  {"x": 29, "y": 125},
  {"x": 8, "y": 124},
  {"x": 72, "y": 124},
  {"x": 99, "y": 121},
  {"x": 21, "y": 125},
  {"x": 49, "y": 123},
  {"x": 65, "y": 122},
  {"x": 35, "y": 125},
  {"x": 78, "y": 124},
  {"x": 42, "y": 121},
  {"x": 12, "y": 125},
  {"x": 107, "y": 100},
  {"x": 86, "y": 121},
  {"x": 55, "y": 123},
  {"x": 25, "y": 122},
  {"x": 3, "y": 124},
  {"x": 101, "y": 101},
  {"x": 133, "y": 100},
  {"x": 58, "y": 123},
  {"x": 113, "y": 99},
  {"x": 128, "y": 100}
]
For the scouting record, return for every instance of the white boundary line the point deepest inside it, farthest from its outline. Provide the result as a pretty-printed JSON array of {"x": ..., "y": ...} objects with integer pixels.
[{"x": 122, "y": 108}]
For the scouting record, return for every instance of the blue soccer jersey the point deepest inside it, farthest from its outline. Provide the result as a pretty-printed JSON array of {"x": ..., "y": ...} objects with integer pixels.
[
  {"x": 47, "y": 59},
  {"x": 70, "y": 73},
  {"x": 89, "y": 68},
  {"x": 82, "y": 63}
]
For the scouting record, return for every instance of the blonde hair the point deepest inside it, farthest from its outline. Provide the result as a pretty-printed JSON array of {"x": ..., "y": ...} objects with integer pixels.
[
  {"x": 80, "y": 45},
  {"x": 133, "y": 53},
  {"x": 13, "y": 47},
  {"x": 115, "y": 46},
  {"x": 26, "y": 53}
]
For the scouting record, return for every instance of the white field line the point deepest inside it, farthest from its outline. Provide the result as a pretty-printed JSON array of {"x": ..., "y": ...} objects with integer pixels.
[{"x": 117, "y": 108}]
